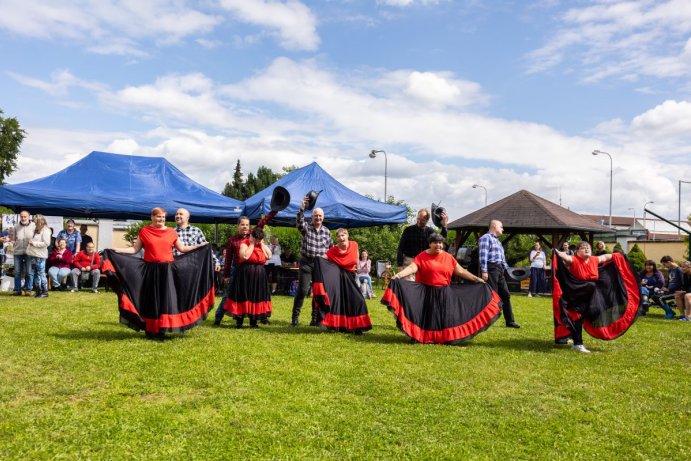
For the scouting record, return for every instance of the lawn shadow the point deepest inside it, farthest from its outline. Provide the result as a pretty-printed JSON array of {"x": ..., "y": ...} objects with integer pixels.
[
  {"x": 521, "y": 344},
  {"x": 101, "y": 335}
]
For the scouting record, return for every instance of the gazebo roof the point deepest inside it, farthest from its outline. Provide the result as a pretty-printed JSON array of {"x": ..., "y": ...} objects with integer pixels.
[{"x": 525, "y": 211}]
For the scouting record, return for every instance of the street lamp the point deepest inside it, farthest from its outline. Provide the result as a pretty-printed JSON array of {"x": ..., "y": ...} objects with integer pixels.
[
  {"x": 373, "y": 154},
  {"x": 679, "y": 216},
  {"x": 598, "y": 152},
  {"x": 645, "y": 218},
  {"x": 475, "y": 186}
]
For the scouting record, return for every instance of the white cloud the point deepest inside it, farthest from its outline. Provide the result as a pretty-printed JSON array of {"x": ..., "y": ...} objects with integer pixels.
[
  {"x": 60, "y": 84},
  {"x": 291, "y": 21},
  {"x": 404, "y": 3},
  {"x": 621, "y": 39}
]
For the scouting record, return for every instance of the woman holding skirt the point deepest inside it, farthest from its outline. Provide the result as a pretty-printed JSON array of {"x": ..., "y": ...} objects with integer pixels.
[
  {"x": 249, "y": 294},
  {"x": 336, "y": 296},
  {"x": 430, "y": 309}
]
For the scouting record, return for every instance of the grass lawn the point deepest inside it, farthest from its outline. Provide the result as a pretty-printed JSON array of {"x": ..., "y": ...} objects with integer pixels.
[{"x": 74, "y": 384}]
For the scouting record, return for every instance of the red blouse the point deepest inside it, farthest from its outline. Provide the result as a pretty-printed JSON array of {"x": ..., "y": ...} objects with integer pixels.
[
  {"x": 257, "y": 256},
  {"x": 158, "y": 244},
  {"x": 583, "y": 270},
  {"x": 346, "y": 259},
  {"x": 434, "y": 270}
]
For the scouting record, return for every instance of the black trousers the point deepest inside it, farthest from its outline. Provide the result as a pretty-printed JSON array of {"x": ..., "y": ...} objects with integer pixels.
[
  {"x": 497, "y": 280},
  {"x": 304, "y": 285}
]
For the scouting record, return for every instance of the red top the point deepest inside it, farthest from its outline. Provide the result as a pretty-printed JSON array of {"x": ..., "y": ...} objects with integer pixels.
[
  {"x": 583, "y": 270},
  {"x": 257, "y": 256},
  {"x": 82, "y": 260},
  {"x": 346, "y": 259},
  {"x": 158, "y": 244},
  {"x": 60, "y": 260},
  {"x": 434, "y": 270}
]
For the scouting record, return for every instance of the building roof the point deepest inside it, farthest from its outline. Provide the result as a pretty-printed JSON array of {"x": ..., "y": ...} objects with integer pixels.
[{"x": 527, "y": 211}]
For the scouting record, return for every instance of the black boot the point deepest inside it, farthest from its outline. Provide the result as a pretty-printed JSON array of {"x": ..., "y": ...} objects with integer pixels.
[
  {"x": 315, "y": 318},
  {"x": 296, "y": 316},
  {"x": 239, "y": 322},
  {"x": 253, "y": 323}
]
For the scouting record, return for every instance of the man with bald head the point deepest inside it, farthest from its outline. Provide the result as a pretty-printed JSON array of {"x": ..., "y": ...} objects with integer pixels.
[
  {"x": 190, "y": 235},
  {"x": 316, "y": 239},
  {"x": 493, "y": 267}
]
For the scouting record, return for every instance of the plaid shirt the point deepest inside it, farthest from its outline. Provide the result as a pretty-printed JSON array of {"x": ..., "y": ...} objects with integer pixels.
[
  {"x": 189, "y": 236},
  {"x": 314, "y": 242},
  {"x": 414, "y": 241},
  {"x": 491, "y": 251}
]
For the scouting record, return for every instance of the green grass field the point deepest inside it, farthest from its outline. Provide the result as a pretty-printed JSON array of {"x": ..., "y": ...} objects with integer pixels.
[{"x": 74, "y": 384}]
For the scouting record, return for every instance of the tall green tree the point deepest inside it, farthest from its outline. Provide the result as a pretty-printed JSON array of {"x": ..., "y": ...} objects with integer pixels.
[
  {"x": 241, "y": 189},
  {"x": 235, "y": 189},
  {"x": 11, "y": 137}
]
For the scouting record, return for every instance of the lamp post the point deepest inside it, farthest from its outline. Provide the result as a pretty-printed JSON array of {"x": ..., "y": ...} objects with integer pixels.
[
  {"x": 475, "y": 186},
  {"x": 373, "y": 154},
  {"x": 679, "y": 215},
  {"x": 645, "y": 218},
  {"x": 598, "y": 152}
]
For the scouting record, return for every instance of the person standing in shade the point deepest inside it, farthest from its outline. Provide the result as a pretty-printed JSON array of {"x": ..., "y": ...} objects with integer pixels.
[
  {"x": 71, "y": 236},
  {"x": 493, "y": 268},
  {"x": 85, "y": 238},
  {"x": 23, "y": 233},
  {"x": 316, "y": 240},
  {"x": 415, "y": 237},
  {"x": 538, "y": 261}
]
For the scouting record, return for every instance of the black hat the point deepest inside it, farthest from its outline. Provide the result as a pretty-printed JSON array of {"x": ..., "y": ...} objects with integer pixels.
[
  {"x": 280, "y": 199},
  {"x": 436, "y": 214},
  {"x": 312, "y": 198}
]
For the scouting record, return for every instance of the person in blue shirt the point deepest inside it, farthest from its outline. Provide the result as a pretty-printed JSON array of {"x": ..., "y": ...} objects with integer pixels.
[
  {"x": 493, "y": 268},
  {"x": 72, "y": 236}
]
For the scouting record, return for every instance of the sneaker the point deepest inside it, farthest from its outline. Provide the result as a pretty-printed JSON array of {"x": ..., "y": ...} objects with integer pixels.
[
  {"x": 73, "y": 290},
  {"x": 580, "y": 348},
  {"x": 529, "y": 295},
  {"x": 94, "y": 290},
  {"x": 683, "y": 318}
]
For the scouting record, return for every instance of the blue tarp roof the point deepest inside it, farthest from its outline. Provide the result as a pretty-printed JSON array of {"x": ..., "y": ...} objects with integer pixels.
[
  {"x": 342, "y": 206},
  {"x": 115, "y": 186}
]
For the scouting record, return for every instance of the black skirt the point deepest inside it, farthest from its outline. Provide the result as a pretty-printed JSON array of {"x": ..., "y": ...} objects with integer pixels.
[
  {"x": 162, "y": 297},
  {"x": 608, "y": 306},
  {"x": 337, "y": 298},
  {"x": 249, "y": 294},
  {"x": 449, "y": 314}
]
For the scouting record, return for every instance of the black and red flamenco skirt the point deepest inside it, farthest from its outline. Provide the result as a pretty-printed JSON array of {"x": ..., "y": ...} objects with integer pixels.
[
  {"x": 450, "y": 314},
  {"x": 162, "y": 297},
  {"x": 249, "y": 294},
  {"x": 608, "y": 307},
  {"x": 337, "y": 298}
]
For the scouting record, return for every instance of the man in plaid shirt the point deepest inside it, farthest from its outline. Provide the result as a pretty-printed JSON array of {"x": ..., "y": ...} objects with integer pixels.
[
  {"x": 493, "y": 267},
  {"x": 316, "y": 239},
  {"x": 190, "y": 235}
]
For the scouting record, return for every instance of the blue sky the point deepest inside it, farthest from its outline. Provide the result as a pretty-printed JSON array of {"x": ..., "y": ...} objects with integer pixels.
[{"x": 507, "y": 94}]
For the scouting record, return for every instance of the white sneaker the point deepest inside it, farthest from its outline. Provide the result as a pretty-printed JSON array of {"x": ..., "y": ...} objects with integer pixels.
[
  {"x": 529, "y": 295},
  {"x": 580, "y": 348}
]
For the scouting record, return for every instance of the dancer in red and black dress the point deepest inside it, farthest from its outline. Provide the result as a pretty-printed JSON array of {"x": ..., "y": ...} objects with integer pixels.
[
  {"x": 336, "y": 295},
  {"x": 161, "y": 294},
  {"x": 249, "y": 294},
  {"x": 431, "y": 310},
  {"x": 600, "y": 293}
]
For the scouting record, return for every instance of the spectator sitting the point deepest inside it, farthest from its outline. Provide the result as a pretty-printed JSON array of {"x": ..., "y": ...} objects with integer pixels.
[
  {"x": 60, "y": 261},
  {"x": 288, "y": 258},
  {"x": 673, "y": 287},
  {"x": 684, "y": 295},
  {"x": 85, "y": 238},
  {"x": 364, "y": 267},
  {"x": 71, "y": 236},
  {"x": 87, "y": 264},
  {"x": 652, "y": 281}
]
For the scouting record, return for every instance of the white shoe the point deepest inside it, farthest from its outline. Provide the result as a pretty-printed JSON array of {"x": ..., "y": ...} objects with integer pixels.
[
  {"x": 529, "y": 295},
  {"x": 580, "y": 348}
]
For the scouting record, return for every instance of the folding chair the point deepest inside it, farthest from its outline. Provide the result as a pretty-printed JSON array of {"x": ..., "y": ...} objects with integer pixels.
[{"x": 381, "y": 268}]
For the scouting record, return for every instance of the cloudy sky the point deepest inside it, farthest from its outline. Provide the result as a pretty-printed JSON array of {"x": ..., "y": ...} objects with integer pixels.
[{"x": 507, "y": 94}]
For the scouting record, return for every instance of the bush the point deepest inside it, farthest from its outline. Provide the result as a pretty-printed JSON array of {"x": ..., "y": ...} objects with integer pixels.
[{"x": 637, "y": 257}]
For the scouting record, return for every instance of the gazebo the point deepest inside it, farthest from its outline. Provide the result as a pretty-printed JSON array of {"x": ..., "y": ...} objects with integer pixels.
[{"x": 527, "y": 213}]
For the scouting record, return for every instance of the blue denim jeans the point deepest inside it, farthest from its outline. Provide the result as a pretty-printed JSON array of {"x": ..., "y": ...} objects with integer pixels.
[
  {"x": 38, "y": 270},
  {"x": 22, "y": 271},
  {"x": 58, "y": 276}
]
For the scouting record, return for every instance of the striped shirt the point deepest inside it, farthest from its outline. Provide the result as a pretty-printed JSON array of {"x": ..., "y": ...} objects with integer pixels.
[
  {"x": 189, "y": 236},
  {"x": 491, "y": 251},
  {"x": 314, "y": 242}
]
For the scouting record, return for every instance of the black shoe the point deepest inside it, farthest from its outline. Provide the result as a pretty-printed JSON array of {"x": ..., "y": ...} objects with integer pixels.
[
  {"x": 357, "y": 332},
  {"x": 513, "y": 325},
  {"x": 265, "y": 321},
  {"x": 43, "y": 294},
  {"x": 294, "y": 324},
  {"x": 314, "y": 323},
  {"x": 562, "y": 341},
  {"x": 254, "y": 325},
  {"x": 217, "y": 323}
]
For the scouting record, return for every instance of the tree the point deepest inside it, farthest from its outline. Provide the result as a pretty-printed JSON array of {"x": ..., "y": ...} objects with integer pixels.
[
  {"x": 11, "y": 137},
  {"x": 235, "y": 189},
  {"x": 637, "y": 257},
  {"x": 241, "y": 189}
]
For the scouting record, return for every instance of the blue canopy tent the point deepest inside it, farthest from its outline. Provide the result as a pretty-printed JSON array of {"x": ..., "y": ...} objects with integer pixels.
[
  {"x": 342, "y": 207},
  {"x": 115, "y": 186}
]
